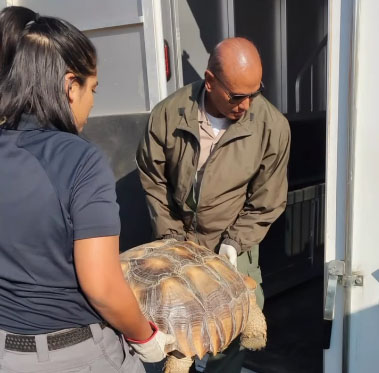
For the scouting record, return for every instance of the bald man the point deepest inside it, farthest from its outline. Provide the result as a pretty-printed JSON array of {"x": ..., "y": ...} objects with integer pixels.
[{"x": 213, "y": 164}]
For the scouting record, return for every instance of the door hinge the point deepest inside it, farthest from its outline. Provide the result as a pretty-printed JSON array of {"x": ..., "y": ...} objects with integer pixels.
[{"x": 336, "y": 275}]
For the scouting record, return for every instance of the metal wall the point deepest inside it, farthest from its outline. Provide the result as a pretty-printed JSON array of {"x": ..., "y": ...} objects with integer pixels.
[
  {"x": 264, "y": 23},
  {"x": 306, "y": 28},
  {"x": 202, "y": 25},
  {"x": 353, "y": 184},
  {"x": 287, "y": 33},
  {"x": 125, "y": 37},
  {"x": 118, "y": 137},
  {"x": 296, "y": 241}
]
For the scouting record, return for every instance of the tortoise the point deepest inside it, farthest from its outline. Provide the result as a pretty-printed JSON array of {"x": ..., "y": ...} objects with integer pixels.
[{"x": 195, "y": 295}]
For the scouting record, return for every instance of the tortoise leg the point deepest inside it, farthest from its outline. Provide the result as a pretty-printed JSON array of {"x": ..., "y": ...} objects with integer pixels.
[
  {"x": 254, "y": 337},
  {"x": 175, "y": 365}
]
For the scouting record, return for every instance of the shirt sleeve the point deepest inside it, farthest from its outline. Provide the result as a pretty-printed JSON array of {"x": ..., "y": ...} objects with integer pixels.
[{"x": 93, "y": 208}]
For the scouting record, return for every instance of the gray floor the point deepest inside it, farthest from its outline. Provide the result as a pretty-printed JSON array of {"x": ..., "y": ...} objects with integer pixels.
[{"x": 294, "y": 321}]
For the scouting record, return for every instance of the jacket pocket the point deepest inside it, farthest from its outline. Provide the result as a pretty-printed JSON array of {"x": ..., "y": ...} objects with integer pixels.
[{"x": 247, "y": 263}]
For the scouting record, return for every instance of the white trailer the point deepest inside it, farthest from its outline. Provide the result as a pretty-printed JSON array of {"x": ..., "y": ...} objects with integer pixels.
[
  {"x": 352, "y": 180},
  {"x": 320, "y": 68}
]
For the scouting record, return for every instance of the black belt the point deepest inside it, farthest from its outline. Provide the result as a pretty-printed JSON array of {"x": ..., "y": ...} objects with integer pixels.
[{"x": 27, "y": 343}]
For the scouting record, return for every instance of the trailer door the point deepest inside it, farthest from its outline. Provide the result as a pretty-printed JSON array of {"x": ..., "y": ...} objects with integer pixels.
[{"x": 352, "y": 255}]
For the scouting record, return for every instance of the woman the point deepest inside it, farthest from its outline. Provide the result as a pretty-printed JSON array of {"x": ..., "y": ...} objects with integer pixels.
[{"x": 60, "y": 276}]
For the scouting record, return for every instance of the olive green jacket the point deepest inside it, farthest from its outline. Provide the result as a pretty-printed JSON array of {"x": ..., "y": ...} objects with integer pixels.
[{"x": 244, "y": 185}]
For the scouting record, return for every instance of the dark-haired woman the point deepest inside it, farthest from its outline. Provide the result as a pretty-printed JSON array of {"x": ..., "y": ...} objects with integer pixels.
[
  {"x": 60, "y": 276},
  {"x": 12, "y": 23}
]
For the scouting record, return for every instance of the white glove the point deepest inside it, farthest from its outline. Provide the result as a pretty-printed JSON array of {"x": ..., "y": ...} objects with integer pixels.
[
  {"x": 155, "y": 348},
  {"x": 230, "y": 252}
]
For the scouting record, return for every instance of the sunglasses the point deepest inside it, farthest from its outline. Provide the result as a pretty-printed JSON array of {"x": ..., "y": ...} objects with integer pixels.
[{"x": 235, "y": 98}]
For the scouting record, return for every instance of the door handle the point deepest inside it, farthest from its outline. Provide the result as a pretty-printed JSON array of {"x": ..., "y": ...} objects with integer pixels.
[{"x": 336, "y": 268}]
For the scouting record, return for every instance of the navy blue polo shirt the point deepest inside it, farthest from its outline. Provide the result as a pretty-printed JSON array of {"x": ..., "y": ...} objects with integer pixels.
[{"x": 55, "y": 188}]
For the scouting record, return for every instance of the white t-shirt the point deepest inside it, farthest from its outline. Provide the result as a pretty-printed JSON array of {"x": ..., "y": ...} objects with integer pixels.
[{"x": 218, "y": 123}]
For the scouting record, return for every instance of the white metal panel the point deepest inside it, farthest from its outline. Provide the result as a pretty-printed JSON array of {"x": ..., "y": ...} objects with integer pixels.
[
  {"x": 194, "y": 52},
  {"x": 129, "y": 40},
  {"x": 87, "y": 14},
  {"x": 171, "y": 33},
  {"x": 154, "y": 49},
  {"x": 364, "y": 323},
  {"x": 352, "y": 176},
  {"x": 122, "y": 76},
  {"x": 340, "y": 14}
]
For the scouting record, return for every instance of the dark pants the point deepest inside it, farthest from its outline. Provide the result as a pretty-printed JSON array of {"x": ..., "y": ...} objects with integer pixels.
[{"x": 231, "y": 359}]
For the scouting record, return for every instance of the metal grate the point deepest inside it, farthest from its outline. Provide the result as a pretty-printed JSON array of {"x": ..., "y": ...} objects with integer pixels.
[{"x": 305, "y": 220}]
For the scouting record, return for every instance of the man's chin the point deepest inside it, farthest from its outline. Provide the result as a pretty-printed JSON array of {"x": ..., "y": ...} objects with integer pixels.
[{"x": 236, "y": 116}]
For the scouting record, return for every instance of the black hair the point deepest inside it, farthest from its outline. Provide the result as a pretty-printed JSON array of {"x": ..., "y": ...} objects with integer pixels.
[
  {"x": 12, "y": 23},
  {"x": 35, "y": 83}
]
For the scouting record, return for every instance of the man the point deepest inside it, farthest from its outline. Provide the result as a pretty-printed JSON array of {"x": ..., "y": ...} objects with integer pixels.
[{"x": 213, "y": 163}]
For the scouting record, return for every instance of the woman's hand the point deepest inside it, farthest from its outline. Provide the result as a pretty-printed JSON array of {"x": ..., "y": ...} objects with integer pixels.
[{"x": 155, "y": 348}]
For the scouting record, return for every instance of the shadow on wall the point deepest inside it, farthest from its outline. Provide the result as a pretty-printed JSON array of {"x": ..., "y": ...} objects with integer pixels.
[
  {"x": 207, "y": 15},
  {"x": 134, "y": 215},
  {"x": 118, "y": 137},
  {"x": 189, "y": 73}
]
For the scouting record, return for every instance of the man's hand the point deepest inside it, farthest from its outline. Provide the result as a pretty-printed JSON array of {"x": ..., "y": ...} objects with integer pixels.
[{"x": 230, "y": 252}]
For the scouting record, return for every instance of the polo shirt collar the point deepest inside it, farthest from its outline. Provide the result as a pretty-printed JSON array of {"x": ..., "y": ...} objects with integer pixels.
[{"x": 29, "y": 122}]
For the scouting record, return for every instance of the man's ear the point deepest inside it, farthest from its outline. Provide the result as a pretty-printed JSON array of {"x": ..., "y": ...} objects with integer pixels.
[
  {"x": 209, "y": 78},
  {"x": 71, "y": 87}
]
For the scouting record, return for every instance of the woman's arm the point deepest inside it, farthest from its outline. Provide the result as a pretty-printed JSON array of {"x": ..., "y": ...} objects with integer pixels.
[{"x": 99, "y": 272}]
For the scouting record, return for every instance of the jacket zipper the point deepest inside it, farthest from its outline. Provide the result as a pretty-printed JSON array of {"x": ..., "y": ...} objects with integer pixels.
[
  {"x": 193, "y": 191},
  {"x": 201, "y": 184},
  {"x": 193, "y": 180},
  {"x": 216, "y": 147}
]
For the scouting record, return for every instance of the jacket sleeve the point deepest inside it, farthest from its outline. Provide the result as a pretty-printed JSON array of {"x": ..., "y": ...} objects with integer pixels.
[
  {"x": 151, "y": 164},
  {"x": 266, "y": 196}
]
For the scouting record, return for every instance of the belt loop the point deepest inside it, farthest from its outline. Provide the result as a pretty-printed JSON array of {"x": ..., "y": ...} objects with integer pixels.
[
  {"x": 97, "y": 333},
  {"x": 2, "y": 343},
  {"x": 42, "y": 348}
]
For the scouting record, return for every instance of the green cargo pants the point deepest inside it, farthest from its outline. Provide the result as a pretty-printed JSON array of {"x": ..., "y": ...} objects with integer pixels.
[{"x": 231, "y": 359}]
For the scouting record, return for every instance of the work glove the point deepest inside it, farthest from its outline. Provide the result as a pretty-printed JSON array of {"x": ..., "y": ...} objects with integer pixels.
[
  {"x": 230, "y": 252},
  {"x": 155, "y": 348}
]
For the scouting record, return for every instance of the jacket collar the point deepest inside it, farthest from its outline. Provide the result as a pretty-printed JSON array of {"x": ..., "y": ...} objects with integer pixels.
[
  {"x": 189, "y": 112},
  {"x": 190, "y": 122}
]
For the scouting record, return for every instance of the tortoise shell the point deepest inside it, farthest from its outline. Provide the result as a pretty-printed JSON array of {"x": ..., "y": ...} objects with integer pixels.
[{"x": 190, "y": 292}]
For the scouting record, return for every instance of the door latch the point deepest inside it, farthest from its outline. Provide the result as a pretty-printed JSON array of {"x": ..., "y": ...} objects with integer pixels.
[{"x": 336, "y": 275}]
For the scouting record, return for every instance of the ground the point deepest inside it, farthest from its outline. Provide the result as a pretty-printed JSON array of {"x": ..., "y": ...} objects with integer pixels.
[{"x": 294, "y": 320}]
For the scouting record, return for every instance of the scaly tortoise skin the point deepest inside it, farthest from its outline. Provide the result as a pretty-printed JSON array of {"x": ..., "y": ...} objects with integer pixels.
[{"x": 196, "y": 295}]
